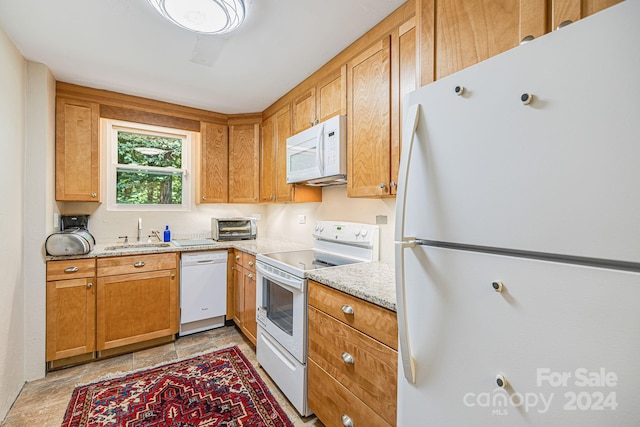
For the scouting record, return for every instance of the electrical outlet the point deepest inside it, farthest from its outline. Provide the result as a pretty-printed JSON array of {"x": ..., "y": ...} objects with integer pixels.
[
  {"x": 56, "y": 220},
  {"x": 302, "y": 219},
  {"x": 381, "y": 219}
]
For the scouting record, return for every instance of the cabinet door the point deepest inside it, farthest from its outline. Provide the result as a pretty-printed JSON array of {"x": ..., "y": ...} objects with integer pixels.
[
  {"x": 268, "y": 167},
  {"x": 71, "y": 322},
  {"x": 470, "y": 31},
  {"x": 77, "y": 151},
  {"x": 564, "y": 12},
  {"x": 369, "y": 135},
  {"x": 214, "y": 164},
  {"x": 404, "y": 70},
  {"x": 244, "y": 165},
  {"x": 283, "y": 131},
  {"x": 136, "y": 307},
  {"x": 331, "y": 94},
  {"x": 304, "y": 111},
  {"x": 250, "y": 325},
  {"x": 238, "y": 290}
]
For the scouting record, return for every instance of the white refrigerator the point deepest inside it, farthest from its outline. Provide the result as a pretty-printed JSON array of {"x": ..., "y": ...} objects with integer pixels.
[{"x": 518, "y": 235}]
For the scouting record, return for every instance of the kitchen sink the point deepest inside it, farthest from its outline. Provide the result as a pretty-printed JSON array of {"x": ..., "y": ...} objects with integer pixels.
[{"x": 137, "y": 246}]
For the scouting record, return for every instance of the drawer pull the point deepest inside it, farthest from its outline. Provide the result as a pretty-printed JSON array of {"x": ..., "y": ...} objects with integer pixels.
[
  {"x": 347, "y": 309},
  {"x": 347, "y": 421},
  {"x": 250, "y": 276},
  {"x": 71, "y": 269},
  {"x": 89, "y": 285},
  {"x": 250, "y": 263},
  {"x": 139, "y": 264},
  {"x": 237, "y": 256},
  {"x": 348, "y": 359}
]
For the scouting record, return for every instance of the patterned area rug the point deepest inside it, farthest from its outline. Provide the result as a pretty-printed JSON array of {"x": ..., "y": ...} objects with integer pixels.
[{"x": 215, "y": 389}]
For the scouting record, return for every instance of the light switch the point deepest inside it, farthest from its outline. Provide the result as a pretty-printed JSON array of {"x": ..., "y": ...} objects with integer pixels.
[{"x": 302, "y": 219}]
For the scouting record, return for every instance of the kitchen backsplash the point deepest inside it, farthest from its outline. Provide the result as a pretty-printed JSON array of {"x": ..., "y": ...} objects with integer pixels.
[{"x": 278, "y": 221}]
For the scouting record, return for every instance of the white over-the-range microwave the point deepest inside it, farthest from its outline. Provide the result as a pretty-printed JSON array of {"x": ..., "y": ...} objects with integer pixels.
[{"x": 318, "y": 155}]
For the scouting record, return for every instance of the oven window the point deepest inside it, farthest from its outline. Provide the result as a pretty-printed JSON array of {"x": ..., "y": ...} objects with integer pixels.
[{"x": 279, "y": 304}]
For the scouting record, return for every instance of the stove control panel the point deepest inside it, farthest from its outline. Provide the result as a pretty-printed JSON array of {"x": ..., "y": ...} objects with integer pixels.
[{"x": 347, "y": 232}]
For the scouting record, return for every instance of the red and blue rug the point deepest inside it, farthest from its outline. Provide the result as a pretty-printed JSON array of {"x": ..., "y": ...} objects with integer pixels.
[{"x": 215, "y": 389}]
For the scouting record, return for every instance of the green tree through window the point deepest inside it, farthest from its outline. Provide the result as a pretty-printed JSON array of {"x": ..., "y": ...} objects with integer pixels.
[{"x": 149, "y": 169}]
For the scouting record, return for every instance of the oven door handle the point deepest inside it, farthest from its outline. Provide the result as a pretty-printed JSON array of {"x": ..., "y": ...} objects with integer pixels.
[{"x": 293, "y": 285}]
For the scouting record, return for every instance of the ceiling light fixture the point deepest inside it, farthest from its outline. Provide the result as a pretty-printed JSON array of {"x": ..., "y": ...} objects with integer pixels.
[{"x": 203, "y": 16}]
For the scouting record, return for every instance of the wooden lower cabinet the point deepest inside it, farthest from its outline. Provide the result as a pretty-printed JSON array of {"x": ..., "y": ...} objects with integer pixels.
[
  {"x": 352, "y": 372},
  {"x": 137, "y": 299},
  {"x": 71, "y": 307},
  {"x": 244, "y": 278}
]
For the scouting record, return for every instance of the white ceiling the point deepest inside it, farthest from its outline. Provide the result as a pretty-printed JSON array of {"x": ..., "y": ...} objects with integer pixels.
[{"x": 126, "y": 46}]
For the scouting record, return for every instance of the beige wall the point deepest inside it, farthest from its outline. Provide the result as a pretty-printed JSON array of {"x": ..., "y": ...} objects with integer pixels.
[{"x": 12, "y": 313}]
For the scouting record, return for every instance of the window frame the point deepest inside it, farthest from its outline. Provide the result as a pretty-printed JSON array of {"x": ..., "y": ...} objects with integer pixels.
[{"x": 110, "y": 128}]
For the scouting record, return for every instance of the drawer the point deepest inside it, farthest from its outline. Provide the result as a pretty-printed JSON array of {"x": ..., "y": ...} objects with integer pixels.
[
  {"x": 136, "y": 264},
  {"x": 249, "y": 261},
  {"x": 371, "y": 319},
  {"x": 71, "y": 269},
  {"x": 372, "y": 375},
  {"x": 330, "y": 401}
]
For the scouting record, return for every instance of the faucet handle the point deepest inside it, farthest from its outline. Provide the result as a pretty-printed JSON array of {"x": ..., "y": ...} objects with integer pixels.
[{"x": 126, "y": 239}]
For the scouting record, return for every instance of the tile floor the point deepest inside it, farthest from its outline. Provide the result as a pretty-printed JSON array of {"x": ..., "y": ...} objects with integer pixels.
[{"x": 42, "y": 403}]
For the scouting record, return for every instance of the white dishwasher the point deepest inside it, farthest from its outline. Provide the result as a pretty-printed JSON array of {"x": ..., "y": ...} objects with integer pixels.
[{"x": 203, "y": 291}]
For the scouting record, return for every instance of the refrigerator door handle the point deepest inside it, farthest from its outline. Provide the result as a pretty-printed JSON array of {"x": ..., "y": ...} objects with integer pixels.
[{"x": 403, "y": 242}]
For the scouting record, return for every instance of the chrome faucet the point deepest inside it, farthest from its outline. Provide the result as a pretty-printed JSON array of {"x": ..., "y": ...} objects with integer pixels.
[{"x": 139, "y": 230}]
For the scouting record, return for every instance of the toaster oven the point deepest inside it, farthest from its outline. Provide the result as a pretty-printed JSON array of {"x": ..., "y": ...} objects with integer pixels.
[{"x": 233, "y": 228}]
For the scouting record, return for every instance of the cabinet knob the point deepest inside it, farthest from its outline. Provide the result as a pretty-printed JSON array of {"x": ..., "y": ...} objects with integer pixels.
[
  {"x": 250, "y": 276},
  {"x": 497, "y": 286},
  {"x": 237, "y": 256},
  {"x": 526, "y": 39},
  {"x": 347, "y": 421},
  {"x": 89, "y": 285},
  {"x": 347, "y": 309},
  {"x": 392, "y": 184},
  {"x": 564, "y": 24},
  {"x": 347, "y": 358},
  {"x": 71, "y": 269},
  {"x": 204, "y": 198},
  {"x": 139, "y": 264},
  {"x": 459, "y": 90},
  {"x": 94, "y": 195},
  {"x": 383, "y": 185},
  {"x": 173, "y": 276},
  {"x": 250, "y": 263}
]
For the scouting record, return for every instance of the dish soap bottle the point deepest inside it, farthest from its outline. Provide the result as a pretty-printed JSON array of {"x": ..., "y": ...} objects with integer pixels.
[{"x": 167, "y": 234}]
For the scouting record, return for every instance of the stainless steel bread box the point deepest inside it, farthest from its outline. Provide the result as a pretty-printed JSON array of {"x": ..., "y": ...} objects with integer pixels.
[
  {"x": 70, "y": 242},
  {"x": 233, "y": 228}
]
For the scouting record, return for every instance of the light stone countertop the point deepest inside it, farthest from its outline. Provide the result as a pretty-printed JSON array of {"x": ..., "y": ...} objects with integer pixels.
[
  {"x": 373, "y": 282},
  {"x": 370, "y": 281}
]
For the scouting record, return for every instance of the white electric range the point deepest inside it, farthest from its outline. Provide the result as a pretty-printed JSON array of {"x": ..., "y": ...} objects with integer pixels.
[{"x": 281, "y": 298}]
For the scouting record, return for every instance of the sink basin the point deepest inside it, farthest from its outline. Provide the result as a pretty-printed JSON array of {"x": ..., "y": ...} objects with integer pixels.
[{"x": 137, "y": 246}]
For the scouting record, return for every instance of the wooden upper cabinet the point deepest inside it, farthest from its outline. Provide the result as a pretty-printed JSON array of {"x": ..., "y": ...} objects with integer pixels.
[
  {"x": 77, "y": 150},
  {"x": 304, "y": 110},
  {"x": 404, "y": 69},
  {"x": 320, "y": 102},
  {"x": 470, "y": 31},
  {"x": 564, "y": 12},
  {"x": 369, "y": 121},
  {"x": 331, "y": 94},
  {"x": 244, "y": 163},
  {"x": 268, "y": 160},
  {"x": 214, "y": 164},
  {"x": 282, "y": 131}
]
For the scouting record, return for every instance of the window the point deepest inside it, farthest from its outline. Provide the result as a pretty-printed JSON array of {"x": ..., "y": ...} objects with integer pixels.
[{"x": 147, "y": 166}]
